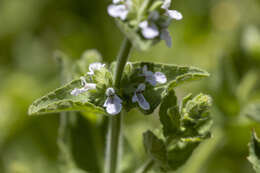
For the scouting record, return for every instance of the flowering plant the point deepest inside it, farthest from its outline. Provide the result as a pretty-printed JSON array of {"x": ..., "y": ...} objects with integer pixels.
[{"x": 108, "y": 89}]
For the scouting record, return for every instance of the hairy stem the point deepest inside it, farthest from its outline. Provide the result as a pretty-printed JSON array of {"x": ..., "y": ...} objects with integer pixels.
[
  {"x": 114, "y": 126},
  {"x": 146, "y": 167}
]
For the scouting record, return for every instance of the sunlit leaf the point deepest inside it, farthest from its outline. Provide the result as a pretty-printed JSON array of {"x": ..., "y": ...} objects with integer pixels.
[
  {"x": 61, "y": 100},
  {"x": 252, "y": 111},
  {"x": 254, "y": 152}
]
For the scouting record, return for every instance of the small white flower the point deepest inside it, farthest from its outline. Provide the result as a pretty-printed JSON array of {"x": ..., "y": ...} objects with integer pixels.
[
  {"x": 165, "y": 35},
  {"x": 153, "y": 78},
  {"x": 121, "y": 10},
  {"x": 113, "y": 102},
  {"x": 139, "y": 98},
  {"x": 95, "y": 66},
  {"x": 86, "y": 87},
  {"x": 173, "y": 14},
  {"x": 117, "y": 1},
  {"x": 149, "y": 31}
]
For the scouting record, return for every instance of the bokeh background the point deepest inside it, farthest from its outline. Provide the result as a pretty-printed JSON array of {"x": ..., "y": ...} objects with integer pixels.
[{"x": 221, "y": 36}]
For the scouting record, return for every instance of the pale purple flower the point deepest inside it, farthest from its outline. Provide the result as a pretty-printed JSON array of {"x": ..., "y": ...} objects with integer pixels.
[
  {"x": 95, "y": 66},
  {"x": 153, "y": 78},
  {"x": 86, "y": 87},
  {"x": 149, "y": 31},
  {"x": 173, "y": 14},
  {"x": 165, "y": 35},
  {"x": 139, "y": 97},
  {"x": 113, "y": 102},
  {"x": 119, "y": 9}
]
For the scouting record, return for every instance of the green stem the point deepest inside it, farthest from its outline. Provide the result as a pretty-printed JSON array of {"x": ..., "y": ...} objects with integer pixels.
[
  {"x": 114, "y": 126},
  {"x": 146, "y": 167}
]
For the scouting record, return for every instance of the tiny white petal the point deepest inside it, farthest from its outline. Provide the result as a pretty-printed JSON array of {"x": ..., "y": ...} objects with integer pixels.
[
  {"x": 166, "y": 4},
  {"x": 150, "y": 32},
  {"x": 134, "y": 98},
  {"x": 90, "y": 86},
  {"x": 110, "y": 92},
  {"x": 142, "y": 102},
  {"x": 95, "y": 66},
  {"x": 143, "y": 24},
  {"x": 117, "y": 1},
  {"x": 165, "y": 35},
  {"x": 107, "y": 102},
  {"x": 77, "y": 91},
  {"x": 120, "y": 11},
  {"x": 117, "y": 99},
  {"x": 160, "y": 77},
  {"x": 113, "y": 109},
  {"x": 113, "y": 102},
  {"x": 139, "y": 98},
  {"x": 174, "y": 14}
]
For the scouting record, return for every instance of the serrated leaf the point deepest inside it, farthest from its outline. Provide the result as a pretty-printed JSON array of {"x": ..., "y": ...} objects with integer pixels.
[
  {"x": 155, "y": 147},
  {"x": 169, "y": 119},
  {"x": 175, "y": 74},
  {"x": 252, "y": 111},
  {"x": 61, "y": 100},
  {"x": 254, "y": 152}
]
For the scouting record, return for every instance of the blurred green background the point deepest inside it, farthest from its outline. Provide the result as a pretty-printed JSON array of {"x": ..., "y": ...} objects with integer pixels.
[{"x": 221, "y": 36}]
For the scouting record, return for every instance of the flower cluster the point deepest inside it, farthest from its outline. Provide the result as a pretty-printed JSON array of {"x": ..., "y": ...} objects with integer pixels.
[
  {"x": 154, "y": 24},
  {"x": 113, "y": 102}
]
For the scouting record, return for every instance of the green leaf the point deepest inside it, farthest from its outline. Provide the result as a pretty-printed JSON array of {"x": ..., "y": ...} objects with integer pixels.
[
  {"x": 169, "y": 114},
  {"x": 175, "y": 74},
  {"x": 254, "y": 152},
  {"x": 252, "y": 111},
  {"x": 155, "y": 147},
  {"x": 180, "y": 153},
  {"x": 61, "y": 100},
  {"x": 185, "y": 126}
]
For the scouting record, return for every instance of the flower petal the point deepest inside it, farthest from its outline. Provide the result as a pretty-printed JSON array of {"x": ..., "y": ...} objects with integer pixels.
[
  {"x": 150, "y": 32},
  {"x": 118, "y": 11},
  {"x": 151, "y": 80},
  {"x": 160, "y": 77},
  {"x": 90, "y": 86},
  {"x": 95, "y": 66},
  {"x": 143, "y": 24},
  {"x": 134, "y": 98},
  {"x": 117, "y": 1},
  {"x": 142, "y": 102},
  {"x": 113, "y": 108},
  {"x": 110, "y": 92},
  {"x": 117, "y": 99},
  {"x": 165, "y": 35},
  {"x": 166, "y": 4},
  {"x": 77, "y": 91},
  {"x": 174, "y": 14}
]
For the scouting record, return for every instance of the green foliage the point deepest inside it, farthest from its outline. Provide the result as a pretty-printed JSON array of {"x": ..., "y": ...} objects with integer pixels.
[
  {"x": 254, "y": 152},
  {"x": 252, "y": 111},
  {"x": 175, "y": 75},
  {"x": 184, "y": 128},
  {"x": 61, "y": 100}
]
